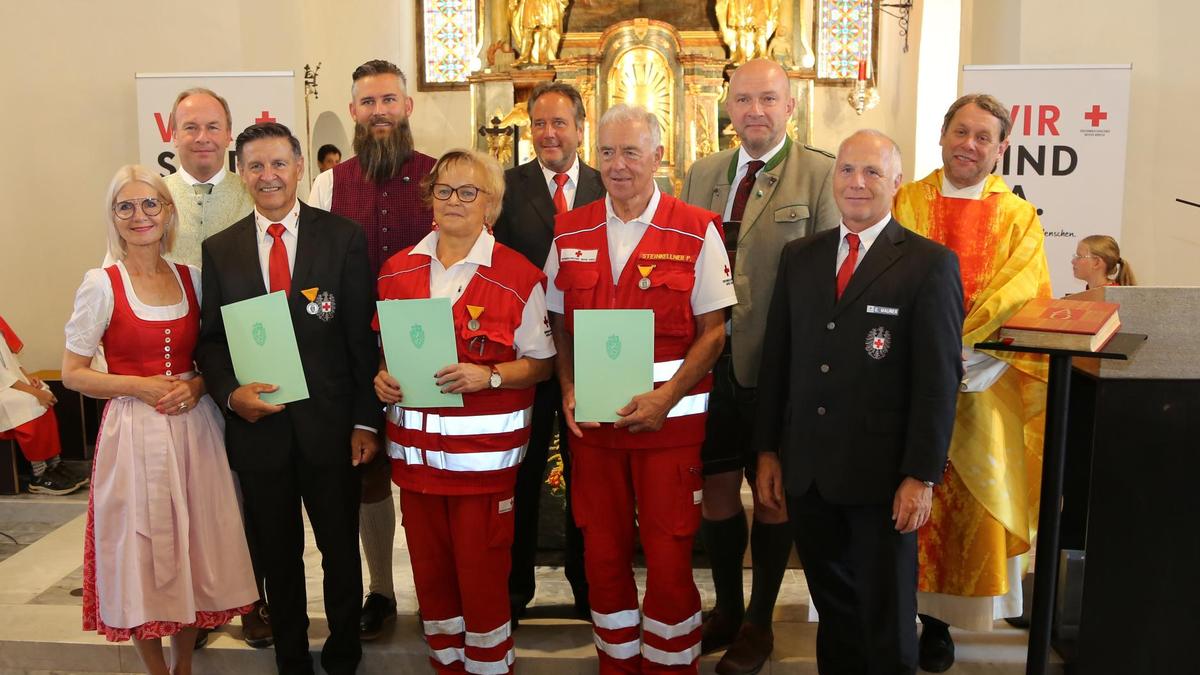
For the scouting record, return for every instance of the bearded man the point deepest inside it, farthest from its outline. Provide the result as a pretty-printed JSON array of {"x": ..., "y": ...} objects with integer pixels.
[{"x": 378, "y": 189}]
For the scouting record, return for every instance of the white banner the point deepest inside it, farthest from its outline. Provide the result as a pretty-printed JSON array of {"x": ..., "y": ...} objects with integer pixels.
[
  {"x": 252, "y": 98},
  {"x": 1067, "y": 155}
]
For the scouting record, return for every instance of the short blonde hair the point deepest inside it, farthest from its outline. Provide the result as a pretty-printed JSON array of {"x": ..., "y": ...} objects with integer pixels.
[
  {"x": 490, "y": 173},
  {"x": 135, "y": 173}
]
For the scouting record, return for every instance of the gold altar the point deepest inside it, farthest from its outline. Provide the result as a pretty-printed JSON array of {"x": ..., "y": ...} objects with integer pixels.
[{"x": 676, "y": 64}]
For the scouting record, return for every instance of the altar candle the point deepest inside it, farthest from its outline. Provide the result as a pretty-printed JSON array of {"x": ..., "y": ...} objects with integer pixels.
[{"x": 862, "y": 70}]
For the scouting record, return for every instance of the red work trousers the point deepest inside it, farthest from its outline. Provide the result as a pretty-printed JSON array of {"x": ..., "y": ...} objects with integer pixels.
[
  {"x": 661, "y": 489},
  {"x": 460, "y": 548},
  {"x": 37, "y": 438}
]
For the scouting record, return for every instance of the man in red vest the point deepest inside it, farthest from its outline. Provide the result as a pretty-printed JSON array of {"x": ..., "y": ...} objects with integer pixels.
[
  {"x": 641, "y": 249},
  {"x": 377, "y": 188}
]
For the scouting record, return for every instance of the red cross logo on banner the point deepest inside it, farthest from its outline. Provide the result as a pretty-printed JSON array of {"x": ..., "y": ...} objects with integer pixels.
[
  {"x": 266, "y": 117},
  {"x": 1096, "y": 116}
]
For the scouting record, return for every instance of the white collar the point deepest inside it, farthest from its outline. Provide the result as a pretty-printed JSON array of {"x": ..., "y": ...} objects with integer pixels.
[
  {"x": 572, "y": 173},
  {"x": 480, "y": 253},
  {"x": 191, "y": 180},
  {"x": 869, "y": 235},
  {"x": 744, "y": 157},
  {"x": 970, "y": 192},
  {"x": 290, "y": 222},
  {"x": 646, "y": 216}
]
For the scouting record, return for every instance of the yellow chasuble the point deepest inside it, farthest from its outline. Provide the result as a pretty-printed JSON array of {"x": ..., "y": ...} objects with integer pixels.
[{"x": 986, "y": 509}]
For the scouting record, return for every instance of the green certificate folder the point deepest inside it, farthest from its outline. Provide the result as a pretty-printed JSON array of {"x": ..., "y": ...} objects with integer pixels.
[
  {"x": 614, "y": 360},
  {"x": 418, "y": 341},
  {"x": 262, "y": 344}
]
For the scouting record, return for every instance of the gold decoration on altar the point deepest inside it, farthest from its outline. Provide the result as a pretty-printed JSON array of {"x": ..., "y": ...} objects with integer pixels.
[
  {"x": 747, "y": 26},
  {"x": 641, "y": 76},
  {"x": 536, "y": 27}
]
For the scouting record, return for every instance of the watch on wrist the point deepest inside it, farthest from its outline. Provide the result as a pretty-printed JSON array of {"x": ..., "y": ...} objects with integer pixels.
[
  {"x": 494, "y": 380},
  {"x": 927, "y": 483}
]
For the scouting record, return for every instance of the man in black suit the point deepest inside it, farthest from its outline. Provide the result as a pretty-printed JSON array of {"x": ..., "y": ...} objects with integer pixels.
[
  {"x": 304, "y": 453},
  {"x": 534, "y": 192},
  {"x": 862, "y": 363}
]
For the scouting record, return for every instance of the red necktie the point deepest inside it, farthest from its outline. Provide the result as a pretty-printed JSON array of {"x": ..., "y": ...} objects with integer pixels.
[
  {"x": 743, "y": 190},
  {"x": 847, "y": 269},
  {"x": 277, "y": 267},
  {"x": 560, "y": 199}
]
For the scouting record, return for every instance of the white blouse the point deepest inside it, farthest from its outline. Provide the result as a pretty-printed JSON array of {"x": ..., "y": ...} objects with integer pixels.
[{"x": 94, "y": 306}]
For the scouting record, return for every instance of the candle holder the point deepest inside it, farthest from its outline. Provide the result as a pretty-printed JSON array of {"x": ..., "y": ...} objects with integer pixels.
[{"x": 862, "y": 98}]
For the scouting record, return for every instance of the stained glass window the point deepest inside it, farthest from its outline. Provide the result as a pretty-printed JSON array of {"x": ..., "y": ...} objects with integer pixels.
[
  {"x": 845, "y": 29},
  {"x": 448, "y": 42}
]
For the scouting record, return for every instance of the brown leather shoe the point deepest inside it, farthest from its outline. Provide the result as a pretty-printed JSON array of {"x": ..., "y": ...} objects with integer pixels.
[
  {"x": 749, "y": 651},
  {"x": 717, "y": 631},
  {"x": 256, "y": 627}
]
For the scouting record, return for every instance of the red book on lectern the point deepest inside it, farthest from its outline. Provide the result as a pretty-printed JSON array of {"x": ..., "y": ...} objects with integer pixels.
[{"x": 1078, "y": 325}]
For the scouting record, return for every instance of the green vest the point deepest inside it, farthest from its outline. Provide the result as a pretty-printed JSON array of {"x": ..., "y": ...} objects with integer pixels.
[{"x": 203, "y": 215}]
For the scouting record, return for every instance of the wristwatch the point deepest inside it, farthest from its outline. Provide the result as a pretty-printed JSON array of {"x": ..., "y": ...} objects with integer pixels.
[
  {"x": 494, "y": 380},
  {"x": 928, "y": 483}
]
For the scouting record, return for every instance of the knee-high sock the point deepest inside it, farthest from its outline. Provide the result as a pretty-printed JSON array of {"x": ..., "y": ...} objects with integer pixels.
[
  {"x": 377, "y": 530},
  {"x": 770, "y": 546},
  {"x": 725, "y": 541}
]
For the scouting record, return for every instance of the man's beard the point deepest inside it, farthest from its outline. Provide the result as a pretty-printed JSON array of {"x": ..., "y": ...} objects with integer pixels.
[{"x": 381, "y": 158}]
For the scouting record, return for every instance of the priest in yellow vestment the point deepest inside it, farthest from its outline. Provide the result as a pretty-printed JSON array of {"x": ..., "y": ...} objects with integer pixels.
[{"x": 985, "y": 512}]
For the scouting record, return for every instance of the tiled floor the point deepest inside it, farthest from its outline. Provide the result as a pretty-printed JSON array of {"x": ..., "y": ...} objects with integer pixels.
[{"x": 40, "y": 615}]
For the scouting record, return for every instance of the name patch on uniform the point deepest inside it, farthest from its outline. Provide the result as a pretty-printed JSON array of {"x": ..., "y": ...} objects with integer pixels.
[
  {"x": 578, "y": 254},
  {"x": 676, "y": 257},
  {"x": 505, "y": 505},
  {"x": 888, "y": 311}
]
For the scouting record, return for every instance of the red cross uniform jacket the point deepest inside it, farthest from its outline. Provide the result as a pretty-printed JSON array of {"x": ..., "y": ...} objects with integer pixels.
[
  {"x": 475, "y": 449},
  {"x": 672, "y": 244}
]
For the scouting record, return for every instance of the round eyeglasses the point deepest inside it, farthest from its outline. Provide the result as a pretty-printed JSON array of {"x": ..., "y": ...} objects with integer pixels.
[
  {"x": 151, "y": 206},
  {"x": 466, "y": 193}
]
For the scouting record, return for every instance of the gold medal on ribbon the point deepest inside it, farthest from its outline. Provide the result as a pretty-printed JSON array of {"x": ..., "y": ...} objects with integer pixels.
[
  {"x": 644, "y": 283},
  {"x": 475, "y": 311}
]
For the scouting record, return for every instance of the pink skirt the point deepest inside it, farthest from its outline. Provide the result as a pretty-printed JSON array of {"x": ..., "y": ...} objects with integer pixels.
[{"x": 150, "y": 569}]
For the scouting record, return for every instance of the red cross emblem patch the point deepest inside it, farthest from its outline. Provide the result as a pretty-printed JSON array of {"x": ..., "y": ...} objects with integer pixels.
[{"x": 879, "y": 341}]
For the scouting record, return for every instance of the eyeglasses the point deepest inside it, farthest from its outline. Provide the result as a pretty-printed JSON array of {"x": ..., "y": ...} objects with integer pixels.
[
  {"x": 1082, "y": 257},
  {"x": 151, "y": 206},
  {"x": 466, "y": 193}
]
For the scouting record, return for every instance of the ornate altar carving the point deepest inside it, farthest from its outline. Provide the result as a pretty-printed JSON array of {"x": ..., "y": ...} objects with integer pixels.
[{"x": 677, "y": 68}]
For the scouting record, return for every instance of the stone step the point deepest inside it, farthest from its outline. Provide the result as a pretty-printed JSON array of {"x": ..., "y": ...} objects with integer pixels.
[{"x": 47, "y": 639}]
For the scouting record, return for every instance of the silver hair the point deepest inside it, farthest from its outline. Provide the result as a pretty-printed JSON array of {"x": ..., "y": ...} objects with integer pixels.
[
  {"x": 624, "y": 112},
  {"x": 897, "y": 160}
]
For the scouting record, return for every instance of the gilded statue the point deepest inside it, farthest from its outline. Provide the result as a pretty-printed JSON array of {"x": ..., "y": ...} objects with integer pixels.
[
  {"x": 747, "y": 26},
  {"x": 536, "y": 27}
]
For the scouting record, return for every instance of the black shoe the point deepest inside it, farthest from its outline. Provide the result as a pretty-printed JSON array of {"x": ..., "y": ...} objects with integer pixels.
[
  {"x": 936, "y": 648},
  {"x": 1018, "y": 621},
  {"x": 256, "y": 627},
  {"x": 54, "y": 482},
  {"x": 201, "y": 638},
  {"x": 376, "y": 611}
]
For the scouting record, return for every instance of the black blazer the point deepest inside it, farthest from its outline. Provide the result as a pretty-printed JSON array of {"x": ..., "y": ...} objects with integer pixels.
[
  {"x": 526, "y": 222},
  {"x": 340, "y": 356},
  {"x": 856, "y": 394}
]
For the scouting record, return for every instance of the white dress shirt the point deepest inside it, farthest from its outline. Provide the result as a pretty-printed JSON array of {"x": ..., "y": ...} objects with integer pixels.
[
  {"x": 191, "y": 180},
  {"x": 569, "y": 187},
  {"x": 531, "y": 338},
  {"x": 744, "y": 158},
  {"x": 865, "y": 239},
  {"x": 713, "y": 289},
  {"x": 291, "y": 226},
  {"x": 320, "y": 194}
]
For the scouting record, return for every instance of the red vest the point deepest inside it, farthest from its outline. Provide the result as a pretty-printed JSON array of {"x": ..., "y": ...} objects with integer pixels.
[
  {"x": 391, "y": 213},
  {"x": 671, "y": 245},
  {"x": 477, "y": 448},
  {"x": 134, "y": 346}
]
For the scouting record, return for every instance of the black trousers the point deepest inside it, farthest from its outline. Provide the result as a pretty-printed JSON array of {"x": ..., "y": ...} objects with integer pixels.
[
  {"x": 521, "y": 585},
  {"x": 862, "y": 576},
  {"x": 330, "y": 496}
]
